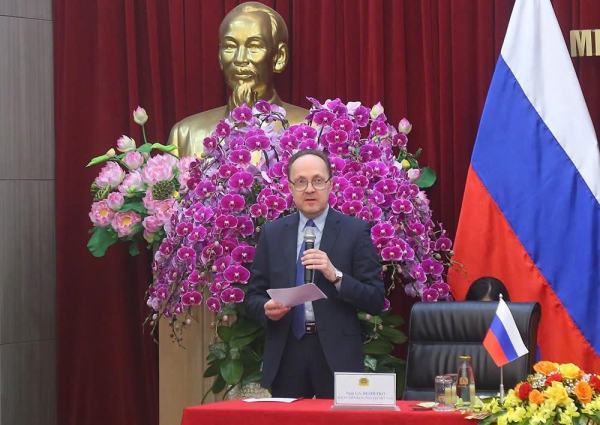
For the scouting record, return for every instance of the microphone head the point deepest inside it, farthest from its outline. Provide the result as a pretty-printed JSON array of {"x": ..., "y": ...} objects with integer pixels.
[{"x": 309, "y": 234}]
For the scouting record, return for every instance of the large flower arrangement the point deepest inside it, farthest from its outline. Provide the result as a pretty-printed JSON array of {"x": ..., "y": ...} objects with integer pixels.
[
  {"x": 211, "y": 209},
  {"x": 555, "y": 393}
]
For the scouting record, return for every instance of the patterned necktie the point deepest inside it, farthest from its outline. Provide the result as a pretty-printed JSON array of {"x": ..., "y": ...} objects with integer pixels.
[{"x": 298, "y": 320}]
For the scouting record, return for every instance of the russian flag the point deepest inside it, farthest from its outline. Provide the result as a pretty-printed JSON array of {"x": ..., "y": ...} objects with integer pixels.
[
  {"x": 503, "y": 340},
  {"x": 531, "y": 208}
]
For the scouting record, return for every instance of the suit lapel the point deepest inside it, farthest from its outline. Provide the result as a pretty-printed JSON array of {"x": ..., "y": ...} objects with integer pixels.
[
  {"x": 330, "y": 232},
  {"x": 290, "y": 244}
]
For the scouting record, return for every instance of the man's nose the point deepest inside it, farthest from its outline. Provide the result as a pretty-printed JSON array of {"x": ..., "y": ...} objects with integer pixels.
[
  {"x": 309, "y": 188},
  {"x": 241, "y": 55}
]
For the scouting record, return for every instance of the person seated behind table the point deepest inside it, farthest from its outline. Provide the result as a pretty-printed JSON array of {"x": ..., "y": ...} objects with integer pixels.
[{"x": 487, "y": 289}]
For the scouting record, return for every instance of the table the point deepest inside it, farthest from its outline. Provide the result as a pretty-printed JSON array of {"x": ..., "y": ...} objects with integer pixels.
[{"x": 313, "y": 411}]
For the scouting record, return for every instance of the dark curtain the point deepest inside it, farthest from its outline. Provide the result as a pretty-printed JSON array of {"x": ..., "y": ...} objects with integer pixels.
[{"x": 428, "y": 60}]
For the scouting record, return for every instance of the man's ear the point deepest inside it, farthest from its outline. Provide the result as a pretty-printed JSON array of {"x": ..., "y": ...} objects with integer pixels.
[
  {"x": 220, "y": 61},
  {"x": 281, "y": 58}
]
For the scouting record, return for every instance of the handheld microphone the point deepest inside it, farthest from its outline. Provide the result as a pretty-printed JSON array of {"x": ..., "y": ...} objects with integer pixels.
[{"x": 309, "y": 242}]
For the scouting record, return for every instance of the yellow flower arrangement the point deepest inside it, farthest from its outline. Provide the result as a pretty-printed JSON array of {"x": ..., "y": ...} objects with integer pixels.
[{"x": 554, "y": 394}]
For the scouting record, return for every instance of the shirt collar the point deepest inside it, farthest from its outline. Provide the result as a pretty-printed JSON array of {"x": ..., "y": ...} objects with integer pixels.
[{"x": 319, "y": 221}]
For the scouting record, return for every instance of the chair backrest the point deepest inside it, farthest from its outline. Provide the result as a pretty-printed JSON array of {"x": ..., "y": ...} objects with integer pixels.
[{"x": 440, "y": 332}]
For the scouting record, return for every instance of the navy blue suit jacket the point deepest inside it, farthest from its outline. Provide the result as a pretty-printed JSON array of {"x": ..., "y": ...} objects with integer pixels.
[{"x": 347, "y": 242}]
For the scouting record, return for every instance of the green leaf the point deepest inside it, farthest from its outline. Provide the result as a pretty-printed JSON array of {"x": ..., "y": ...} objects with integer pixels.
[
  {"x": 98, "y": 160},
  {"x": 134, "y": 206},
  {"x": 427, "y": 178},
  {"x": 393, "y": 335},
  {"x": 134, "y": 249},
  {"x": 163, "y": 148},
  {"x": 375, "y": 320},
  {"x": 370, "y": 364},
  {"x": 234, "y": 353},
  {"x": 391, "y": 360},
  {"x": 224, "y": 333},
  {"x": 219, "y": 349},
  {"x": 232, "y": 371},
  {"x": 101, "y": 240},
  {"x": 393, "y": 321},
  {"x": 244, "y": 327},
  {"x": 211, "y": 358},
  {"x": 146, "y": 147},
  {"x": 377, "y": 346},
  {"x": 212, "y": 370},
  {"x": 252, "y": 377},
  {"x": 239, "y": 342},
  {"x": 218, "y": 385}
]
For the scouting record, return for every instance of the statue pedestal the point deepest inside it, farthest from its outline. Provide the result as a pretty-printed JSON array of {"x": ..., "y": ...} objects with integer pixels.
[{"x": 180, "y": 369}]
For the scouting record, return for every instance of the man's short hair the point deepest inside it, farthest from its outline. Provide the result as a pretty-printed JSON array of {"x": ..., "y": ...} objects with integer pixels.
[
  {"x": 305, "y": 152},
  {"x": 279, "y": 29}
]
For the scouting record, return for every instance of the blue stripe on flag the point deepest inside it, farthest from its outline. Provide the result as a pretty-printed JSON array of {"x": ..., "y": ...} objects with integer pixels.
[
  {"x": 499, "y": 331},
  {"x": 543, "y": 197}
]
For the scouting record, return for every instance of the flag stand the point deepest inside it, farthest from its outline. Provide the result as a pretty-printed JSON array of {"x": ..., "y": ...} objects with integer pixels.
[{"x": 501, "y": 384}]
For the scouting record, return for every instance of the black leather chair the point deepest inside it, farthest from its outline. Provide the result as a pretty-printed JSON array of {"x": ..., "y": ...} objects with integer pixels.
[{"x": 440, "y": 332}]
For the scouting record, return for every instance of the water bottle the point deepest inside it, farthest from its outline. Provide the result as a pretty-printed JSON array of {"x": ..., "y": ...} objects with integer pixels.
[{"x": 466, "y": 380}]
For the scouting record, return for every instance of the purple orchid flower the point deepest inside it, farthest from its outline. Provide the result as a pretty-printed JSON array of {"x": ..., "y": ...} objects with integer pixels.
[
  {"x": 242, "y": 114},
  {"x": 232, "y": 295},
  {"x": 236, "y": 274}
]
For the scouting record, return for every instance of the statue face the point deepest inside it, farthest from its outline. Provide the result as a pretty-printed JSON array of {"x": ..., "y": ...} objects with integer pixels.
[{"x": 247, "y": 54}]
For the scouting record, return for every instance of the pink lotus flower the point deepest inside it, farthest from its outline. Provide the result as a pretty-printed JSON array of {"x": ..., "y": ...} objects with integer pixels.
[
  {"x": 115, "y": 200},
  {"x": 110, "y": 175},
  {"x": 140, "y": 116},
  {"x": 132, "y": 183},
  {"x": 101, "y": 214},
  {"x": 414, "y": 174},
  {"x": 404, "y": 126},
  {"x": 134, "y": 160},
  {"x": 125, "y": 144},
  {"x": 152, "y": 224},
  {"x": 157, "y": 169},
  {"x": 125, "y": 223}
]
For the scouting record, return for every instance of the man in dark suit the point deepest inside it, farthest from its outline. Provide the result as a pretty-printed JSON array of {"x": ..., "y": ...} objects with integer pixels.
[{"x": 306, "y": 344}]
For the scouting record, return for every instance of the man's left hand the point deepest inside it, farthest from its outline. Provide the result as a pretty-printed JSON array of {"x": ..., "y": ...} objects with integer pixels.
[{"x": 315, "y": 259}]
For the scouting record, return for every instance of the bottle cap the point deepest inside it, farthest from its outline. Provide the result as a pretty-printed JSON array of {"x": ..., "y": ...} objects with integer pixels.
[{"x": 464, "y": 357}]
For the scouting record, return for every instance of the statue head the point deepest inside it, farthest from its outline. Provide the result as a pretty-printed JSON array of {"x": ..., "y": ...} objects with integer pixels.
[{"x": 252, "y": 47}]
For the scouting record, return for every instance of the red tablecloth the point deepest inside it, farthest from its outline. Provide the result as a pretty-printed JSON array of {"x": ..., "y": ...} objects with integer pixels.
[{"x": 311, "y": 412}]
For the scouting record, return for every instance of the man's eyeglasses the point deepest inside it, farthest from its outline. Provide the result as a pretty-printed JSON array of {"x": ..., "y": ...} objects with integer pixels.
[{"x": 302, "y": 184}]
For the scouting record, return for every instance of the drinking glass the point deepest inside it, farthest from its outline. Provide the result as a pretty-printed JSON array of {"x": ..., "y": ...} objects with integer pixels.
[
  {"x": 443, "y": 387},
  {"x": 451, "y": 394}
]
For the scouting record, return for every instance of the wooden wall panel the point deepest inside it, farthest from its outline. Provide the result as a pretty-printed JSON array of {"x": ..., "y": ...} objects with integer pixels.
[
  {"x": 28, "y": 379},
  {"x": 26, "y": 99},
  {"x": 27, "y": 261},
  {"x": 35, "y": 9}
]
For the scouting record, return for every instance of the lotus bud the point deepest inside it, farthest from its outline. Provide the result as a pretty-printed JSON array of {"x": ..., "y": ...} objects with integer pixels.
[
  {"x": 125, "y": 144},
  {"x": 140, "y": 116},
  {"x": 376, "y": 111},
  {"x": 111, "y": 153},
  {"x": 405, "y": 164},
  {"x": 404, "y": 126},
  {"x": 414, "y": 174}
]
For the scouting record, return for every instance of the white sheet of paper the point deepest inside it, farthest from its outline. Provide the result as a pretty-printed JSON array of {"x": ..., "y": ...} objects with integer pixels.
[
  {"x": 297, "y": 295},
  {"x": 277, "y": 400}
]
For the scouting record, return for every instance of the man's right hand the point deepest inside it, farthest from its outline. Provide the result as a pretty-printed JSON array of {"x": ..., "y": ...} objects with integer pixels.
[{"x": 274, "y": 310}]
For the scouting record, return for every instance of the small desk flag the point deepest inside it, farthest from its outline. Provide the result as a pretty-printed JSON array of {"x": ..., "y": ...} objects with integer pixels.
[{"x": 503, "y": 340}]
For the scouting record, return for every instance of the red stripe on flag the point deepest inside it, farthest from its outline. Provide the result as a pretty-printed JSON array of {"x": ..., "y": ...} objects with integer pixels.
[
  {"x": 487, "y": 246},
  {"x": 493, "y": 347}
]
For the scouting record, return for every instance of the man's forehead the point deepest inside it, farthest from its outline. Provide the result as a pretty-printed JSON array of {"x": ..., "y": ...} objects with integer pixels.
[{"x": 308, "y": 166}]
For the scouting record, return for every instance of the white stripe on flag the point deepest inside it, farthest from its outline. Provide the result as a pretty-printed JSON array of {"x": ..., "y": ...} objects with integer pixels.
[
  {"x": 508, "y": 321},
  {"x": 535, "y": 51}
]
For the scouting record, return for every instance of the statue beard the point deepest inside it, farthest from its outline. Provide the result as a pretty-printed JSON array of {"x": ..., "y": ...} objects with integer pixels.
[{"x": 244, "y": 93}]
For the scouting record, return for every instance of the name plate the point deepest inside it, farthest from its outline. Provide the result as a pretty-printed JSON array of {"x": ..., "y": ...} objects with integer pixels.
[{"x": 376, "y": 391}]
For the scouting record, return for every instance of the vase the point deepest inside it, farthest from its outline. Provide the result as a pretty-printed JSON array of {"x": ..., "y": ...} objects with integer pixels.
[{"x": 251, "y": 390}]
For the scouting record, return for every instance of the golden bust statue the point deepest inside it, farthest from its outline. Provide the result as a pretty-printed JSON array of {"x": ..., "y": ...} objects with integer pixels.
[{"x": 252, "y": 46}]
